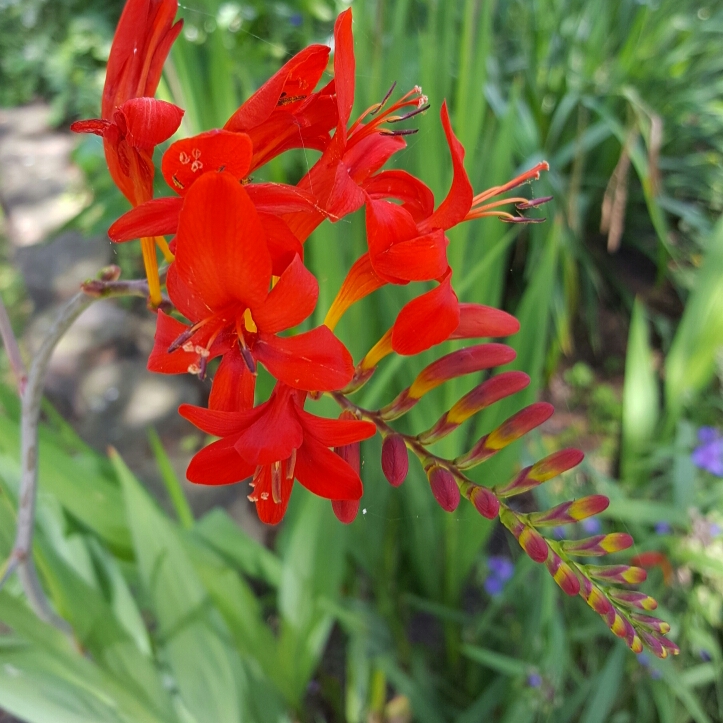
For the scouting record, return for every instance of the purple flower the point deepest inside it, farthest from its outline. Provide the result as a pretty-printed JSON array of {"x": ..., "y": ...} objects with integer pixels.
[
  {"x": 705, "y": 656},
  {"x": 494, "y": 586},
  {"x": 707, "y": 435},
  {"x": 644, "y": 659},
  {"x": 296, "y": 20},
  {"x": 663, "y": 528},
  {"x": 501, "y": 567},
  {"x": 655, "y": 674},
  {"x": 591, "y": 525},
  {"x": 714, "y": 529},
  {"x": 558, "y": 532},
  {"x": 709, "y": 454},
  {"x": 534, "y": 680}
]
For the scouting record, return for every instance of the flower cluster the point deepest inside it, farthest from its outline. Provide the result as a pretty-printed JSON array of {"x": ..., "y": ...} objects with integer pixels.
[{"x": 237, "y": 287}]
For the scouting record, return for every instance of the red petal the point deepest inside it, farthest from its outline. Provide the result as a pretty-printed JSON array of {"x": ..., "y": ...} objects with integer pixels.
[
  {"x": 427, "y": 320},
  {"x": 157, "y": 217},
  {"x": 270, "y": 512},
  {"x": 313, "y": 361},
  {"x": 326, "y": 474},
  {"x": 345, "y": 196},
  {"x": 284, "y": 247},
  {"x": 218, "y": 464},
  {"x": 421, "y": 259},
  {"x": 278, "y": 198},
  {"x": 370, "y": 154},
  {"x": 184, "y": 298},
  {"x": 149, "y": 121},
  {"x": 416, "y": 197},
  {"x": 97, "y": 126},
  {"x": 478, "y": 321},
  {"x": 221, "y": 424},
  {"x": 298, "y": 76},
  {"x": 459, "y": 199},
  {"x": 335, "y": 432},
  {"x": 233, "y": 384},
  {"x": 387, "y": 224},
  {"x": 290, "y": 301},
  {"x": 359, "y": 282},
  {"x": 344, "y": 68},
  {"x": 168, "y": 330},
  {"x": 214, "y": 150},
  {"x": 142, "y": 40},
  {"x": 221, "y": 252},
  {"x": 275, "y": 434}
]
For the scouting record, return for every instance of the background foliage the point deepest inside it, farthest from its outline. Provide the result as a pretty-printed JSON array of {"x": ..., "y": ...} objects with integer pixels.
[{"x": 183, "y": 620}]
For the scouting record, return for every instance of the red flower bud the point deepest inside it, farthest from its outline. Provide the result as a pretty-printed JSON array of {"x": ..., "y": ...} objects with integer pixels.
[
  {"x": 444, "y": 487},
  {"x": 345, "y": 510},
  {"x": 485, "y": 501},
  {"x": 395, "y": 459}
]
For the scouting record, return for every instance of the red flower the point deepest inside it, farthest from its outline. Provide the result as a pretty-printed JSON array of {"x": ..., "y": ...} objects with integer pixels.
[
  {"x": 220, "y": 281},
  {"x": 277, "y": 442},
  {"x": 353, "y": 154},
  {"x": 188, "y": 160},
  {"x": 284, "y": 113},
  {"x": 132, "y": 122}
]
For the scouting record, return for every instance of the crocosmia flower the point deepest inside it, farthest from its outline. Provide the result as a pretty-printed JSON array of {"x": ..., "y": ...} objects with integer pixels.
[
  {"x": 276, "y": 443},
  {"x": 221, "y": 282}
]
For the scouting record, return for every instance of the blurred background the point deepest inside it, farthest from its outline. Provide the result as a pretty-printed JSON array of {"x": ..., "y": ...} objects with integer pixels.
[{"x": 184, "y": 608}]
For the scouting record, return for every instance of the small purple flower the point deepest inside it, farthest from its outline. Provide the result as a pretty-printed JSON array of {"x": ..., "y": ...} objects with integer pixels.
[
  {"x": 592, "y": 526},
  {"x": 655, "y": 674},
  {"x": 663, "y": 528},
  {"x": 714, "y": 529},
  {"x": 709, "y": 454},
  {"x": 501, "y": 567},
  {"x": 534, "y": 680},
  {"x": 705, "y": 656},
  {"x": 644, "y": 659},
  {"x": 707, "y": 435},
  {"x": 494, "y": 586},
  {"x": 558, "y": 532},
  {"x": 295, "y": 20}
]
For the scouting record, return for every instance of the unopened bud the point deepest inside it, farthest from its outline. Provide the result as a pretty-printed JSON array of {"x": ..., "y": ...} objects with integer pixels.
[
  {"x": 484, "y": 501},
  {"x": 395, "y": 459},
  {"x": 444, "y": 487},
  {"x": 345, "y": 510}
]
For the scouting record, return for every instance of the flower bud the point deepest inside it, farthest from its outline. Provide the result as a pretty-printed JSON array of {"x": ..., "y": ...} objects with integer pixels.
[
  {"x": 345, "y": 510},
  {"x": 444, "y": 487},
  {"x": 484, "y": 501},
  {"x": 395, "y": 459}
]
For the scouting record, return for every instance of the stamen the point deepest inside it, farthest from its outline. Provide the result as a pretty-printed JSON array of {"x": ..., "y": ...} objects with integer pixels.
[
  {"x": 276, "y": 482},
  {"x": 194, "y": 369},
  {"x": 243, "y": 348},
  {"x": 533, "y": 203},
  {"x": 290, "y": 465},
  {"x": 253, "y": 497},
  {"x": 522, "y": 219},
  {"x": 188, "y": 347},
  {"x": 203, "y": 364},
  {"x": 186, "y": 335},
  {"x": 385, "y": 99},
  {"x": 405, "y": 132},
  {"x": 411, "y": 114}
]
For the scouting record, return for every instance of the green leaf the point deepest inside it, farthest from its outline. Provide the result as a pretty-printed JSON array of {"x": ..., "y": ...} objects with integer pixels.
[
  {"x": 191, "y": 634},
  {"x": 505, "y": 664},
  {"x": 641, "y": 396},
  {"x": 173, "y": 484},
  {"x": 690, "y": 364},
  {"x": 605, "y": 689},
  {"x": 219, "y": 531}
]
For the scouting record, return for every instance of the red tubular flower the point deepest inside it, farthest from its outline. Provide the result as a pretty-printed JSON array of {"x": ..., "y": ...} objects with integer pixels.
[
  {"x": 188, "y": 160},
  {"x": 132, "y": 123},
  {"x": 284, "y": 113},
  {"x": 277, "y": 442},
  {"x": 220, "y": 282},
  {"x": 353, "y": 154}
]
